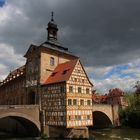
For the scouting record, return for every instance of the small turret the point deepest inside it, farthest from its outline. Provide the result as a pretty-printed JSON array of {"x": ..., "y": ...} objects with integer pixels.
[{"x": 52, "y": 29}]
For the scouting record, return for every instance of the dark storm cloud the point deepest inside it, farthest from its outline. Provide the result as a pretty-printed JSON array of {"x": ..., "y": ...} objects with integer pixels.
[{"x": 101, "y": 32}]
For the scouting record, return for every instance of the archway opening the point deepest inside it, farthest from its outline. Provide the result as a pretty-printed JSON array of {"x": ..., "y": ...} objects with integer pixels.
[
  {"x": 101, "y": 120},
  {"x": 16, "y": 126}
]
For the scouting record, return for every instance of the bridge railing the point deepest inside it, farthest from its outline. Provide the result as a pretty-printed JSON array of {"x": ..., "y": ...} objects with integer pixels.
[{"x": 18, "y": 106}]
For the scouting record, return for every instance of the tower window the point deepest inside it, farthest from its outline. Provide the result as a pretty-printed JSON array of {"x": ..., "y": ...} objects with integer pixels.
[
  {"x": 54, "y": 33},
  {"x": 51, "y": 61}
]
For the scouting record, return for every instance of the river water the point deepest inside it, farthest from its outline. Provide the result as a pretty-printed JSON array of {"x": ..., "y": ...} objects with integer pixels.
[
  {"x": 116, "y": 134},
  {"x": 98, "y": 134}
]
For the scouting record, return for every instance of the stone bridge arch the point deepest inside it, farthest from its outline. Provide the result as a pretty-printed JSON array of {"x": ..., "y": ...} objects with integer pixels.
[
  {"x": 26, "y": 116},
  {"x": 105, "y": 111},
  {"x": 101, "y": 120},
  {"x": 21, "y": 115}
]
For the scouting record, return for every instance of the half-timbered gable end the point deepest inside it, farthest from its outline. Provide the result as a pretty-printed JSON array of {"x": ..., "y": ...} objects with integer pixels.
[{"x": 79, "y": 103}]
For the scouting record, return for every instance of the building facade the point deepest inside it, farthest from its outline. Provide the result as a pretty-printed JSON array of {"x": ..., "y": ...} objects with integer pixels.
[
  {"x": 53, "y": 78},
  {"x": 113, "y": 97},
  {"x": 116, "y": 96}
]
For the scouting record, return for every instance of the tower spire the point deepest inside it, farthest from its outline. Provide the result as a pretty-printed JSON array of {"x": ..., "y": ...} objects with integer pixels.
[
  {"x": 52, "y": 14},
  {"x": 52, "y": 29}
]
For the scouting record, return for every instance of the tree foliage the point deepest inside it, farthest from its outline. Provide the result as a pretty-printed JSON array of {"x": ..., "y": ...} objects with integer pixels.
[{"x": 130, "y": 116}]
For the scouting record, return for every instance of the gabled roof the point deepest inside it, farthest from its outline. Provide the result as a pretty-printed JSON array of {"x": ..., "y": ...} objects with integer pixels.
[
  {"x": 31, "y": 48},
  {"x": 14, "y": 74},
  {"x": 115, "y": 92},
  {"x": 85, "y": 73},
  {"x": 62, "y": 72}
]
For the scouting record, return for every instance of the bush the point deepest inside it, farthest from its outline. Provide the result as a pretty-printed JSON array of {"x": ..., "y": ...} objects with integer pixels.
[
  {"x": 44, "y": 136},
  {"x": 81, "y": 137}
]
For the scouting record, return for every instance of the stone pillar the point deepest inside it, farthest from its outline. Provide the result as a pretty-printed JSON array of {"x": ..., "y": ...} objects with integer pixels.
[
  {"x": 115, "y": 115},
  {"x": 44, "y": 127}
]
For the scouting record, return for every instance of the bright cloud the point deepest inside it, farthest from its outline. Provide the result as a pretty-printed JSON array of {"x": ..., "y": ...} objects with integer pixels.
[
  {"x": 9, "y": 60},
  {"x": 121, "y": 76}
]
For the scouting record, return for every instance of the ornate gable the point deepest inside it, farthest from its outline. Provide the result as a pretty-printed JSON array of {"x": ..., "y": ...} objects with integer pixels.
[
  {"x": 79, "y": 75},
  {"x": 30, "y": 50}
]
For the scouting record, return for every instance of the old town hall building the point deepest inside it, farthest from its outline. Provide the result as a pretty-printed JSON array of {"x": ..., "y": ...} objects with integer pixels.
[{"x": 54, "y": 79}]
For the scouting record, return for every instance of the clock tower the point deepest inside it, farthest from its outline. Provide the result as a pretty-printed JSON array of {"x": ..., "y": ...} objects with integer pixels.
[{"x": 52, "y": 30}]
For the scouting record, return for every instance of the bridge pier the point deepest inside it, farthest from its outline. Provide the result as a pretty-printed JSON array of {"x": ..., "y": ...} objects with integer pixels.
[
  {"x": 115, "y": 115},
  {"x": 63, "y": 132},
  {"x": 43, "y": 126}
]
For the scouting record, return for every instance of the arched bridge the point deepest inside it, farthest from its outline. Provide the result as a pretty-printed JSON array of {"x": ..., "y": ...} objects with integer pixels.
[
  {"x": 105, "y": 115},
  {"x": 24, "y": 118}
]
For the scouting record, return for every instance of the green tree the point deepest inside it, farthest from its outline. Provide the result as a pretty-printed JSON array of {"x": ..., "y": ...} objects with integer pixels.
[{"x": 130, "y": 116}]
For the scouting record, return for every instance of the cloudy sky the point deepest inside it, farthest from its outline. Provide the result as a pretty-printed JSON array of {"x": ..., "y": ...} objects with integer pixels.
[{"x": 104, "y": 33}]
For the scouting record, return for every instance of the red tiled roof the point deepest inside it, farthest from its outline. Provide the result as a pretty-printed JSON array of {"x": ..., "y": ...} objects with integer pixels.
[
  {"x": 62, "y": 72},
  {"x": 115, "y": 92},
  {"x": 99, "y": 97}
]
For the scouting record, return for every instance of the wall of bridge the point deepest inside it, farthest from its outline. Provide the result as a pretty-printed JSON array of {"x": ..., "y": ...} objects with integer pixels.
[
  {"x": 32, "y": 113},
  {"x": 29, "y": 112}
]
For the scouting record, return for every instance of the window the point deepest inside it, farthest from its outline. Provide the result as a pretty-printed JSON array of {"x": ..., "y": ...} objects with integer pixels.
[
  {"x": 62, "y": 118},
  {"x": 62, "y": 89},
  {"x": 88, "y": 102},
  {"x": 53, "y": 74},
  {"x": 75, "y": 79},
  {"x": 70, "y": 118},
  {"x": 51, "y": 61},
  {"x": 78, "y": 71},
  {"x": 87, "y": 90},
  {"x": 69, "y": 102},
  {"x": 81, "y": 102},
  {"x": 88, "y": 117},
  {"x": 74, "y": 102},
  {"x": 65, "y": 71},
  {"x": 77, "y": 117},
  {"x": 79, "y": 89},
  {"x": 70, "y": 89}
]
